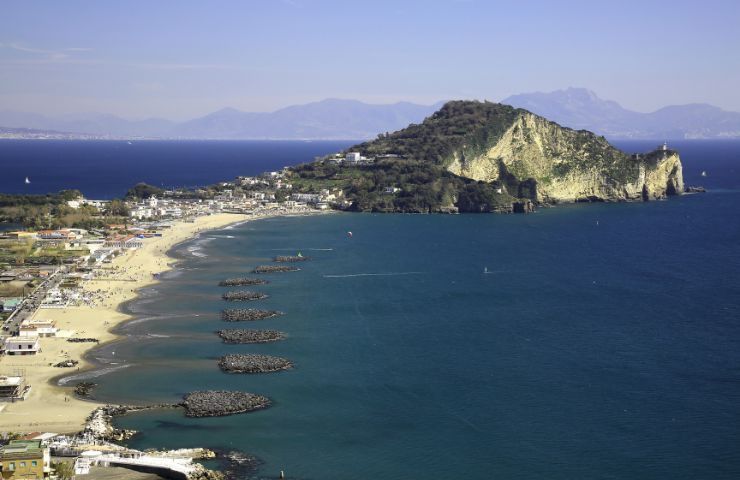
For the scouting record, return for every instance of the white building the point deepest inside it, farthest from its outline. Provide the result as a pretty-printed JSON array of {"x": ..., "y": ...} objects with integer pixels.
[
  {"x": 22, "y": 345},
  {"x": 37, "y": 328},
  {"x": 306, "y": 197},
  {"x": 352, "y": 157}
]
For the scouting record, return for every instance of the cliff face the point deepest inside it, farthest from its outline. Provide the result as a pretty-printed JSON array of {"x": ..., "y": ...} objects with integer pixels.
[{"x": 567, "y": 165}]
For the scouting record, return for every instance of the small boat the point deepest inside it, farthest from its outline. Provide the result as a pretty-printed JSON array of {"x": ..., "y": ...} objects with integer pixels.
[
  {"x": 27, "y": 181},
  {"x": 703, "y": 173}
]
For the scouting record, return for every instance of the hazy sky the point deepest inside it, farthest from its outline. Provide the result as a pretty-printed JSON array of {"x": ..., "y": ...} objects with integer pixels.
[{"x": 180, "y": 59}]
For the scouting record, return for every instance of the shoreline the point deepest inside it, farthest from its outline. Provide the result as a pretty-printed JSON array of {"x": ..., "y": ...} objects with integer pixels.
[{"x": 54, "y": 408}]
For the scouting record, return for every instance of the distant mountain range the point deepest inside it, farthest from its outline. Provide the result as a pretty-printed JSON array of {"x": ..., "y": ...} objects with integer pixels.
[
  {"x": 577, "y": 108},
  {"x": 327, "y": 119},
  {"x": 580, "y": 108}
]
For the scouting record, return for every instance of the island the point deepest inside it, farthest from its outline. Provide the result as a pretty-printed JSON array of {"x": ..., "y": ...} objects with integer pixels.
[{"x": 486, "y": 157}]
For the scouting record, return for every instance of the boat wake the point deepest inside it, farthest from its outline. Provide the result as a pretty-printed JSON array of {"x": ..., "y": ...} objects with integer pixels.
[
  {"x": 387, "y": 274},
  {"x": 302, "y": 249}
]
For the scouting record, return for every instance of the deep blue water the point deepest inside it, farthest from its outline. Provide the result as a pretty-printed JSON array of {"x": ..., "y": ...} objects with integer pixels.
[
  {"x": 107, "y": 169},
  {"x": 604, "y": 344}
]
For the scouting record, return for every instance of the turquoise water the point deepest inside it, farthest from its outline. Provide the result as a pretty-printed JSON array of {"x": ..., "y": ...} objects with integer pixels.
[{"x": 603, "y": 344}]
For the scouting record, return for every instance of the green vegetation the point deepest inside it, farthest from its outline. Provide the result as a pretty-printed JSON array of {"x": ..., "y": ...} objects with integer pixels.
[
  {"x": 51, "y": 211},
  {"x": 457, "y": 125},
  {"x": 459, "y": 137},
  {"x": 31, "y": 252},
  {"x": 414, "y": 160},
  {"x": 63, "y": 470},
  {"x": 142, "y": 191}
]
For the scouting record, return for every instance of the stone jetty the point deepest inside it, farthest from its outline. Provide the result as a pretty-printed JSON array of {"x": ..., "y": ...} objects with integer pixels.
[
  {"x": 216, "y": 403},
  {"x": 243, "y": 295},
  {"x": 291, "y": 258},
  {"x": 250, "y": 336},
  {"x": 275, "y": 269},
  {"x": 237, "y": 282},
  {"x": 252, "y": 363},
  {"x": 247, "y": 314}
]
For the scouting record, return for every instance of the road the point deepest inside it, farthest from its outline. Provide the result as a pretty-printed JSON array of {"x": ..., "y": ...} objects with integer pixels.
[{"x": 31, "y": 303}]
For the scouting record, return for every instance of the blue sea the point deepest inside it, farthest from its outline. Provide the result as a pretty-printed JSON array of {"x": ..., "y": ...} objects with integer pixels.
[
  {"x": 602, "y": 343},
  {"x": 107, "y": 169}
]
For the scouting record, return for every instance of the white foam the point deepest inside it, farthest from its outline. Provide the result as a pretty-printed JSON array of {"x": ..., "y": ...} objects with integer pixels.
[
  {"x": 91, "y": 374},
  {"x": 388, "y": 274}
]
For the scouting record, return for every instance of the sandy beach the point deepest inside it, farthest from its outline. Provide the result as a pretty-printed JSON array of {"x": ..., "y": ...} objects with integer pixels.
[{"x": 51, "y": 408}]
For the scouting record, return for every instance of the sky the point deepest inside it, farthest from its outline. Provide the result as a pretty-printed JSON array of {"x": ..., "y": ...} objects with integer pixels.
[{"x": 180, "y": 59}]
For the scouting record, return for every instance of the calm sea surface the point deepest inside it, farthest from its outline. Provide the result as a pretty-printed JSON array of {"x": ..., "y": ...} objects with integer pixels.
[
  {"x": 107, "y": 169},
  {"x": 603, "y": 343}
]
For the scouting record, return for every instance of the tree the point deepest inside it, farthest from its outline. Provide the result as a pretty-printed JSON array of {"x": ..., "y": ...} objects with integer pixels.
[
  {"x": 64, "y": 470},
  {"x": 118, "y": 208},
  {"x": 143, "y": 190}
]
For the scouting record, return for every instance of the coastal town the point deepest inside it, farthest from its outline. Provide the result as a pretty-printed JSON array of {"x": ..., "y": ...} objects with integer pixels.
[{"x": 60, "y": 292}]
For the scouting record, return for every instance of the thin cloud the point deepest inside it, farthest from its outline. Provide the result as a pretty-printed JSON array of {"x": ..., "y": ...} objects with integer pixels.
[
  {"x": 54, "y": 55},
  {"x": 61, "y": 59}
]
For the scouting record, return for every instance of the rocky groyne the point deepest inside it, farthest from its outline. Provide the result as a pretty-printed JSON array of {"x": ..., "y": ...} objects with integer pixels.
[
  {"x": 253, "y": 363},
  {"x": 243, "y": 296},
  {"x": 291, "y": 258},
  {"x": 250, "y": 336},
  {"x": 274, "y": 269},
  {"x": 238, "y": 282},
  {"x": 217, "y": 403},
  {"x": 247, "y": 314}
]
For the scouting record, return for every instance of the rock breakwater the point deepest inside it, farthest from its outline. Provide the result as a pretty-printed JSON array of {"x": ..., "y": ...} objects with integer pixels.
[
  {"x": 217, "y": 403},
  {"x": 250, "y": 336},
  {"x": 243, "y": 296},
  {"x": 291, "y": 258},
  {"x": 274, "y": 269},
  {"x": 253, "y": 363},
  {"x": 247, "y": 314},
  {"x": 237, "y": 282}
]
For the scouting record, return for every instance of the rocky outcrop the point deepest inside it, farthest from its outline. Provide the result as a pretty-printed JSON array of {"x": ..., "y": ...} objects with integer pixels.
[{"x": 546, "y": 163}]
